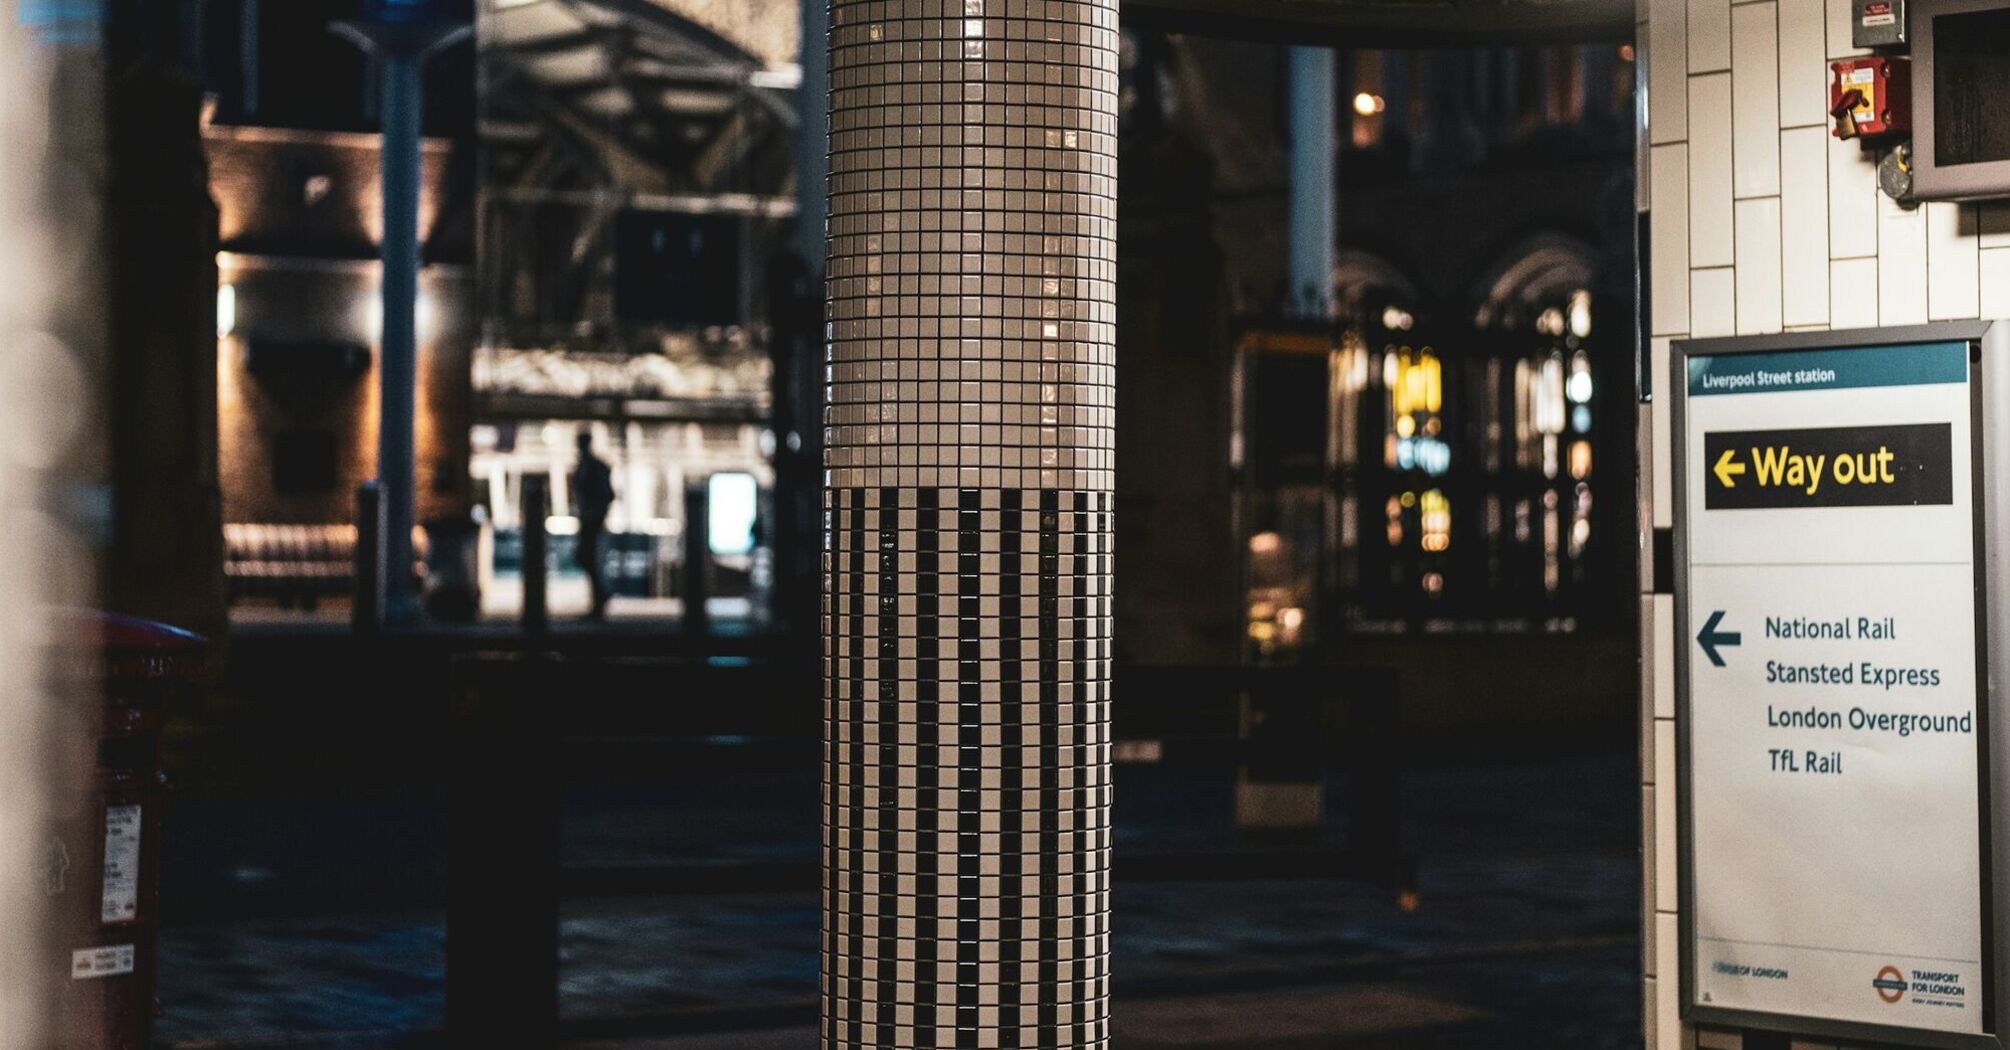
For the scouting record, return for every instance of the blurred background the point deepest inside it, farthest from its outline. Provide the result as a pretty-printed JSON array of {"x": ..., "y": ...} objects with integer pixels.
[{"x": 1376, "y": 620}]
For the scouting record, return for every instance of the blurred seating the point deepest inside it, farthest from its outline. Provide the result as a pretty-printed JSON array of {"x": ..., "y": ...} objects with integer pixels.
[{"x": 294, "y": 565}]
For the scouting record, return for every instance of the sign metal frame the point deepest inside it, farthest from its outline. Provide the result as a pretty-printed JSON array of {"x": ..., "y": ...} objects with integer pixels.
[{"x": 1989, "y": 405}]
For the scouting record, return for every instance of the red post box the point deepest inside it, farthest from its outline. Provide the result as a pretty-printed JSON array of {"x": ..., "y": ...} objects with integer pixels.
[{"x": 105, "y": 849}]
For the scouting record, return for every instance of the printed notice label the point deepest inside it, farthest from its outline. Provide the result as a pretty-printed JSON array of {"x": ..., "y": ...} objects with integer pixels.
[
  {"x": 1872, "y": 466},
  {"x": 109, "y": 961},
  {"x": 122, "y": 864},
  {"x": 1831, "y": 693}
]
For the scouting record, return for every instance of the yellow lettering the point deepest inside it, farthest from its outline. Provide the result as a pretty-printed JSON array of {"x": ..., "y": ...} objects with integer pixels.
[{"x": 1772, "y": 464}]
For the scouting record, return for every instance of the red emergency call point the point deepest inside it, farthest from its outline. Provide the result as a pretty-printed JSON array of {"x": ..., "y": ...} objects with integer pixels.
[{"x": 1871, "y": 97}]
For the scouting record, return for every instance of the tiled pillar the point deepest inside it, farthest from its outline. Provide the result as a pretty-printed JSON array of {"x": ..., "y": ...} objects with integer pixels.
[{"x": 967, "y": 523}]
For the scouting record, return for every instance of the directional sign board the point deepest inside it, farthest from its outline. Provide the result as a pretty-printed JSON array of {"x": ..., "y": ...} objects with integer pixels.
[{"x": 1832, "y": 716}]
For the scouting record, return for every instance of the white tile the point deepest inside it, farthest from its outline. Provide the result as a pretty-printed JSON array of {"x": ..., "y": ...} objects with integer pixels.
[
  {"x": 1759, "y": 266},
  {"x": 1901, "y": 264},
  {"x": 1710, "y": 237},
  {"x": 1996, "y": 225},
  {"x": 1668, "y": 74},
  {"x": 1755, "y": 99},
  {"x": 1853, "y": 293},
  {"x": 1713, "y": 302},
  {"x": 1996, "y": 283},
  {"x": 1853, "y": 196},
  {"x": 1664, "y": 514},
  {"x": 1667, "y": 891},
  {"x": 1709, "y": 36},
  {"x": 1667, "y": 1005},
  {"x": 1664, "y": 443},
  {"x": 1804, "y": 63},
  {"x": 1646, "y": 712},
  {"x": 1648, "y": 871},
  {"x": 1668, "y": 240},
  {"x": 1664, "y": 658},
  {"x": 1650, "y": 1022},
  {"x": 1664, "y": 746},
  {"x": 1643, "y": 152},
  {"x": 1643, "y": 553},
  {"x": 1839, "y": 13},
  {"x": 1804, "y": 226},
  {"x": 1646, "y": 742},
  {"x": 1952, "y": 269}
]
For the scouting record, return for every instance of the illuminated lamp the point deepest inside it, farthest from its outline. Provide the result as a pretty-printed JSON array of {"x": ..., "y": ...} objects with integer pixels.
[{"x": 226, "y": 310}]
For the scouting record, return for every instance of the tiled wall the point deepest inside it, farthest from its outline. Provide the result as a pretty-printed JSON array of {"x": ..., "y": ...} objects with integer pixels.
[{"x": 1761, "y": 221}]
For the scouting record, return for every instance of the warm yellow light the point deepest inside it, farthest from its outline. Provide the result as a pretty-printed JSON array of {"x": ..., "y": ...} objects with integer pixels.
[
  {"x": 1435, "y": 520},
  {"x": 1367, "y": 103},
  {"x": 1265, "y": 543},
  {"x": 226, "y": 310},
  {"x": 1580, "y": 314}
]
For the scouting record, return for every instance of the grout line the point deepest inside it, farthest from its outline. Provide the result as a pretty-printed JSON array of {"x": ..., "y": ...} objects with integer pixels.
[
  {"x": 1876, "y": 237},
  {"x": 1730, "y": 125},
  {"x": 1828, "y": 229}
]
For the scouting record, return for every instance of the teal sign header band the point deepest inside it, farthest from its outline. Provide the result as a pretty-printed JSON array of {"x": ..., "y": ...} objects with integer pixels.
[{"x": 1917, "y": 364}]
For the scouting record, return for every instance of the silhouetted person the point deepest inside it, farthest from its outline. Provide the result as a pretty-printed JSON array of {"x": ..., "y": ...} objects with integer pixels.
[{"x": 593, "y": 492}]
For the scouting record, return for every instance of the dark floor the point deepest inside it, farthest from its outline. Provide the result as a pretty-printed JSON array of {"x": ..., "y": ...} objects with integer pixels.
[{"x": 302, "y": 918}]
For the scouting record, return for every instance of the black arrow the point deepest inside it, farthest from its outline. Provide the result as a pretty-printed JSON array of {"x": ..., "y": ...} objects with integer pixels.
[{"x": 1711, "y": 638}]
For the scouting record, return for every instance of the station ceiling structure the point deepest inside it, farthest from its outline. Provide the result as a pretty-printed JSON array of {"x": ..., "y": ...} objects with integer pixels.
[
  {"x": 651, "y": 96},
  {"x": 1396, "y": 23}
]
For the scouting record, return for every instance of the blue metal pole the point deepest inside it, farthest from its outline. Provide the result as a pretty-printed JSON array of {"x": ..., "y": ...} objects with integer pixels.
[
  {"x": 813, "y": 133},
  {"x": 401, "y": 46},
  {"x": 398, "y": 362},
  {"x": 1312, "y": 181}
]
